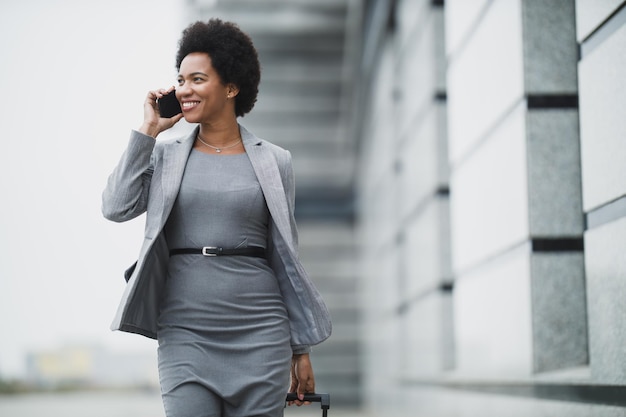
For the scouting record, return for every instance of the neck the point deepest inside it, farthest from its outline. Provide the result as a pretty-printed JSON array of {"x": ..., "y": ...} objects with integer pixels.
[{"x": 219, "y": 134}]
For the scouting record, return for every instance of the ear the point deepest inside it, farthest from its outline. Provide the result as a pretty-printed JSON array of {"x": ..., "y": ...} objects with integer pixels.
[{"x": 232, "y": 90}]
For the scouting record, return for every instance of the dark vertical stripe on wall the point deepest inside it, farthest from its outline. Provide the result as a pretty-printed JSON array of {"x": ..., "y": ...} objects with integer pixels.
[
  {"x": 441, "y": 96},
  {"x": 442, "y": 191},
  {"x": 573, "y": 244},
  {"x": 438, "y": 3},
  {"x": 552, "y": 101},
  {"x": 610, "y": 26}
]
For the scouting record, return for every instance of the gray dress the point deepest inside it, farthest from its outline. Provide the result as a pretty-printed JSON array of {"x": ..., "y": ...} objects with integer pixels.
[{"x": 224, "y": 339}]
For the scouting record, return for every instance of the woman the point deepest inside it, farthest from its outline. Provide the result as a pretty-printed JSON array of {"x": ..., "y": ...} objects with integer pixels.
[{"x": 218, "y": 282}]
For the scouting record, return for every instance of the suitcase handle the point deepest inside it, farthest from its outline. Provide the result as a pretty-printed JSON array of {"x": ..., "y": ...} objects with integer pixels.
[{"x": 323, "y": 399}]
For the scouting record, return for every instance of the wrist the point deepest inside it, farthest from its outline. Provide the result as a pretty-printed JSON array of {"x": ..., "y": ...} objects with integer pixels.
[{"x": 149, "y": 130}]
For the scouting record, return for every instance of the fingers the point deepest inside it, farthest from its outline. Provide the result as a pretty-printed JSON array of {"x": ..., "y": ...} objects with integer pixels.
[
  {"x": 302, "y": 380},
  {"x": 153, "y": 123},
  {"x": 154, "y": 95},
  {"x": 175, "y": 119},
  {"x": 293, "y": 386},
  {"x": 305, "y": 388},
  {"x": 161, "y": 92},
  {"x": 165, "y": 91}
]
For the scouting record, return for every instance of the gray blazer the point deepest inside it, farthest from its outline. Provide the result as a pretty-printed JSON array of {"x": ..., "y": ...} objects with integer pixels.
[{"x": 147, "y": 179}]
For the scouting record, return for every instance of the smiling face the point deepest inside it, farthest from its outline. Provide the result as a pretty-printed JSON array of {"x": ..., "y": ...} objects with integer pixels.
[{"x": 202, "y": 95}]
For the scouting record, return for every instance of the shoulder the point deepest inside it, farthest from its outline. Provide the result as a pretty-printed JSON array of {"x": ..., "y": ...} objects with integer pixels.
[
  {"x": 276, "y": 150},
  {"x": 281, "y": 155},
  {"x": 172, "y": 142},
  {"x": 164, "y": 143}
]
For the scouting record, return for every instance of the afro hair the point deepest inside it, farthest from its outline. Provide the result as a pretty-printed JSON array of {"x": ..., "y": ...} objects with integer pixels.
[{"x": 232, "y": 54}]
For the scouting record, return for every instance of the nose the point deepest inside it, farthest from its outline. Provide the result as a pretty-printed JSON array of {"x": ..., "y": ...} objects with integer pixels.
[{"x": 182, "y": 90}]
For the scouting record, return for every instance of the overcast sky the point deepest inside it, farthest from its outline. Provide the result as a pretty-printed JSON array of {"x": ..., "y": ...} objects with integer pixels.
[{"x": 73, "y": 77}]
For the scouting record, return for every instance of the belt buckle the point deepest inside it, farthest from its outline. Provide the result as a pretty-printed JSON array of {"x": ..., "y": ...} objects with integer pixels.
[{"x": 215, "y": 249}]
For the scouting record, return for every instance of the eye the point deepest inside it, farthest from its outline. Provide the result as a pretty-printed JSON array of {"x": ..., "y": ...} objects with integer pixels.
[
  {"x": 198, "y": 79},
  {"x": 180, "y": 81}
]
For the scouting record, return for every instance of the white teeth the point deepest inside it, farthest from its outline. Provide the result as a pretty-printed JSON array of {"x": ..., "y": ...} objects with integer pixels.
[{"x": 189, "y": 104}]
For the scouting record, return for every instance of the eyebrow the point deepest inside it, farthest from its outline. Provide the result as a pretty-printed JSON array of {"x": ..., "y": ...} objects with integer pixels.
[{"x": 195, "y": 73}]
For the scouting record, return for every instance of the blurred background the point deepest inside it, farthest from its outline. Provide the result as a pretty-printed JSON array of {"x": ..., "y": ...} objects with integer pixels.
[{"x": 461, "y": 197}]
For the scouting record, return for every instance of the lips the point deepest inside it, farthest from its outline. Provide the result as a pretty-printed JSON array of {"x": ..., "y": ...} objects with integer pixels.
[{"x": 188, "y": 105}]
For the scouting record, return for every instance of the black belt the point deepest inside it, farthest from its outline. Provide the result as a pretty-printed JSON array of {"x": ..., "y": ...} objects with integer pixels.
[{"x": 255, "y": 251}]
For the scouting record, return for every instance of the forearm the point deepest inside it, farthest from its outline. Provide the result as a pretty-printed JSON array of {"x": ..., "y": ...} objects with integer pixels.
[{"x": 126, "y": 192}]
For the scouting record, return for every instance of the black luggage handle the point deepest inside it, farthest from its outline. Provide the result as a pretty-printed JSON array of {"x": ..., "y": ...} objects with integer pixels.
[{"x": 323, "y": 399}]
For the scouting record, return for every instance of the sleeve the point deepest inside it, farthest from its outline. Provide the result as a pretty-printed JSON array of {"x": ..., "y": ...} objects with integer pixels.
[
  {"x": 126, "y": 193},
  {"x": 300, "y": 349},
  {"x": 287, "y": 174},
  {"x": 290, "y": 193}
]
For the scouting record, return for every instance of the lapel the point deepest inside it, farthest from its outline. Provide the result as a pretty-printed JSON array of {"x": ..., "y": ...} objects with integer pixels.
[
  {"x": 175, "y": 155},
  {"x": 266, "y": 169}
]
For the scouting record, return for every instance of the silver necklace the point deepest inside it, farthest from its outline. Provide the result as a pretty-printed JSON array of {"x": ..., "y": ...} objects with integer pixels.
[{"x": 219, "y": 150}]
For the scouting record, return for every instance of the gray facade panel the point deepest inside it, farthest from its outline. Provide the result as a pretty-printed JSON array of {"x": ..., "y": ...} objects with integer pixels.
[
  {"x": 591, "y": 13},
  {"x": 606, "y": 268},
  {"x": 462, "y": 16},
  {"x": 555, "y": 200},
  {"x": 550, "y": 48},
  {"x": 559, "y": 311},
  {"x": 486, "y": 79},
  {"x": 602, "y": 124}
]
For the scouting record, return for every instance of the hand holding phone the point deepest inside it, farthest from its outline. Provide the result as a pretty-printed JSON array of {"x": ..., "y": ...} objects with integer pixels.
[{"x": 169, "y": 105}]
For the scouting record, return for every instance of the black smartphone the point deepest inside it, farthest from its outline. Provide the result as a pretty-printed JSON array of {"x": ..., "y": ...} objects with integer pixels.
[{"x": 169, "y": 105}]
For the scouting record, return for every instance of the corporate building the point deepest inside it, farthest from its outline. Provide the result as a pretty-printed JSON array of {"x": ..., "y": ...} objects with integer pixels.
[{"x": 461, "y": 170}]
